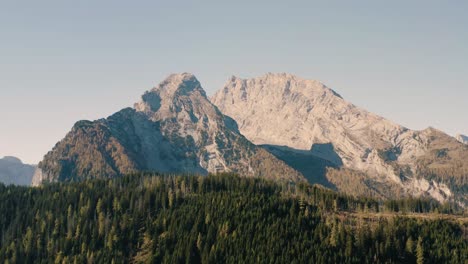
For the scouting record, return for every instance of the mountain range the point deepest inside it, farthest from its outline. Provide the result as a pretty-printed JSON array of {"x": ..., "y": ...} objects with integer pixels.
[
  {"x": 173, "y": 129},
  {"x": 13, "y": 171},
  {"x": 277, "y": 126}
]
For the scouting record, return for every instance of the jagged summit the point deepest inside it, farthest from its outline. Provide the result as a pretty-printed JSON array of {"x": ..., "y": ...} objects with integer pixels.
[
  {"x": 174, "y": 128},
  {"x": 281, "y": 83},
  {"x": 287, "y": 101},
  {"x": 279, "y": 77},
  {"x": 182, "y": 83},
  {"x": 177, "y": 93}
]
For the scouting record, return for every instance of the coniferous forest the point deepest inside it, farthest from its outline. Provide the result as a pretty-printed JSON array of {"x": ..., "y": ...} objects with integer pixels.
[{"x": 148, "y": 218}]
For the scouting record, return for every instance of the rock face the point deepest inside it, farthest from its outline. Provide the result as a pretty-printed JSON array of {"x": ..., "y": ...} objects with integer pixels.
[
  {"x": 462, "y": 138},
  {"x": 13, "y": 171},
  {"x": 294, "y": 116},
  {"x": 174, "y": 128}
]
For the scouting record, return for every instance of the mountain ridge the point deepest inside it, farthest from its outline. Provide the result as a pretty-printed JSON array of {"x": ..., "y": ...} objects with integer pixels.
[
  {"x": 286, "y": 110},
  {"x": 174, "y": 128}
]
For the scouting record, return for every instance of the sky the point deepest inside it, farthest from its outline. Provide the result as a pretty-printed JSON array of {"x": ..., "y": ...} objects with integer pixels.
[{"x": 63, "y": 61}]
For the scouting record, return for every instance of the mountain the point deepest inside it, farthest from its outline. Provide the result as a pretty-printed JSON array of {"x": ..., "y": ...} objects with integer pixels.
[
  {"x": 462, "y": 138},
  {"x": 310, "y": 126},
  {"x": 174, "y": 128},
  {"x": 13, "y": 171}
]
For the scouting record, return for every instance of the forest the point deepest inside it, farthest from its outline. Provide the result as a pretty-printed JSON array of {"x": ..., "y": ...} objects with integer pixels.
[{"x": 154, "y": 218}]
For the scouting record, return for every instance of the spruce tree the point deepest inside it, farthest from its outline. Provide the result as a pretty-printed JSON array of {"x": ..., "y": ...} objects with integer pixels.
[{"x": 419, "y": 252}]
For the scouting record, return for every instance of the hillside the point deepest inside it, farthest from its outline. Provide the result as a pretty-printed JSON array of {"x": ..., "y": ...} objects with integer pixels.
[{"x": 219, "y": 219}]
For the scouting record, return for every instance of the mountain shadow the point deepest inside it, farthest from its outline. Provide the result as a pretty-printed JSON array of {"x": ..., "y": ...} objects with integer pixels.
[
  {"x": 327, "y": 152},
  {"x": 308, "y": 162}
]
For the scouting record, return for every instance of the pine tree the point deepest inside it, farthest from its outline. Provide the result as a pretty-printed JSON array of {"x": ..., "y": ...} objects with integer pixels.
[
  {"x": 409, "y": 245},
  {"x": 420, "y": 252},
  {"x": 349, "y": 246},
  {"x": 200, "y": 242},
  {"x": 333, "y": 234},
  {"x": 28, "y": 241},
  {"x": 101, "y": 223},
  {"x": 145, "y": 253}
]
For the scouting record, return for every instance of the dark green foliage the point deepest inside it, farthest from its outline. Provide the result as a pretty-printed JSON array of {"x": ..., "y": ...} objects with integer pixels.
[
  {"x": 421, "y": 205},
  {"x": 215, "y": 219}
]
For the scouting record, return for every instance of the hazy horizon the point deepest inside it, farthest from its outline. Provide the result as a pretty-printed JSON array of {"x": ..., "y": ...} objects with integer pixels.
[{"x": 67, "y": 61}]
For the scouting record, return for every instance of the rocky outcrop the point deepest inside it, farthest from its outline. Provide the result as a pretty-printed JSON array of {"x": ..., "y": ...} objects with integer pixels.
[
  {"x": 308, "y": 117},
  {"x": 13, "y": 171},
  {"x": 462, "y": 138},
  {"x": 174, "y": 128}
]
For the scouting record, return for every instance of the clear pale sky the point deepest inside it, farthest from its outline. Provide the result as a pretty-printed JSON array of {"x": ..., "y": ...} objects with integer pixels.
[{"x": 63, "y": 61}]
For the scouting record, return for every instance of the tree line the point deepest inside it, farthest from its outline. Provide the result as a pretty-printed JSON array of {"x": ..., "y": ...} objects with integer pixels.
[{"x": 152, "y": 218}]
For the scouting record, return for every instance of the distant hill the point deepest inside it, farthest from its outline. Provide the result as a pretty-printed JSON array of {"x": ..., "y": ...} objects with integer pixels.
[{"x": 13, "y": 171}]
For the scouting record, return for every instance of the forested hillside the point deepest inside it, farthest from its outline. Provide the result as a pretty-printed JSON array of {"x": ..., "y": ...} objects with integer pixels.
[{"x": 220, "y": 219}]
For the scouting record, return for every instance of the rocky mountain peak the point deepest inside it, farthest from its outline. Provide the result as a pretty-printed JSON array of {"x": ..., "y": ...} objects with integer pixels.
[
  {"x": 283, "y": 109},
  {"x": 179, "y": 84},
  {"x": 174, "y": 128},
  {"x": 278, "y": 85},
  {"x": 177, "y": 93},
  {"x": 312, "y": 120},
  {"x": 181, "y": 101}
]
